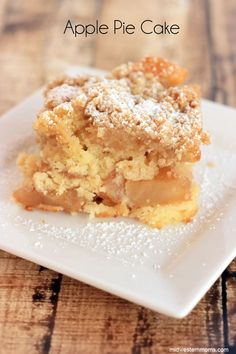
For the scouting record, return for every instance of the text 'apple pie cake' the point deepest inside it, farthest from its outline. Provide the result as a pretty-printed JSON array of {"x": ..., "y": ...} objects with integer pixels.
[{"x": 120, "y": 145}]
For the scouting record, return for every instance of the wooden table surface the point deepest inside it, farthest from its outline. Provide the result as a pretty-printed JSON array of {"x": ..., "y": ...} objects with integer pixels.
[{"x": 45, "y": 312}]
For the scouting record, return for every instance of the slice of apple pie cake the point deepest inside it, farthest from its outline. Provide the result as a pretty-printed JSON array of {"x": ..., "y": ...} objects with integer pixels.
[{"x": 121, "y": 145}]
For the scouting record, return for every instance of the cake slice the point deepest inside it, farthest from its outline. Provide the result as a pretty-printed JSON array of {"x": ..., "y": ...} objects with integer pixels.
[{"x": 122, "y": 145}]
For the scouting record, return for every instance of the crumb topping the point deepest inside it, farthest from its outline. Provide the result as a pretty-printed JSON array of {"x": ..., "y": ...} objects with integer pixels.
[
  {"x": 166, "y": 73},
  {"x": 111, "y": 104},
  {"x": 137, "y": 99},
  {"x": 60, "y": 94}
]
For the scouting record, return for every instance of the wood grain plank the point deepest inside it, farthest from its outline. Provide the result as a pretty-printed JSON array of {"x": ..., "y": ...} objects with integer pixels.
[
  {"x": 3, "y": 5},
  {"x": 231, "y": 312},
  {"x": 34, "y": 48},
  {"x": 232, "y": 266},
  {"x": 63, "y": 50},
  {"x": 21, "y": 46},
  {"x": 26, "y": 305},
  {"x": 222, "y": 37},
  {"x": 135, "y": 46},
  {"x": 92, "y": 321}
]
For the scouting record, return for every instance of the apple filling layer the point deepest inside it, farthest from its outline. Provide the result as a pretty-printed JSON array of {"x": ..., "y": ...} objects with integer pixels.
[
  {"x": 158, "y": 191},
  {"x": 169, "y": 186}
]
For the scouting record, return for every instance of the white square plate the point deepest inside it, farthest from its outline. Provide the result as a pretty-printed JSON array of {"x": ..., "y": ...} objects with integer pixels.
[{"x": 168, "y": 270}]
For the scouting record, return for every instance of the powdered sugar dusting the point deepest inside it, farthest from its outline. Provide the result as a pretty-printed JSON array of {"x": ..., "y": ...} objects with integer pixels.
[
  {"x": 112, "y": 104},
  {"x": 60, "y": 94}
]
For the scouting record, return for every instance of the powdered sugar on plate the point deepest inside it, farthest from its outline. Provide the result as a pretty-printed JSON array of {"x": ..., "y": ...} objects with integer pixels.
[{"x": 127, "y": 241}]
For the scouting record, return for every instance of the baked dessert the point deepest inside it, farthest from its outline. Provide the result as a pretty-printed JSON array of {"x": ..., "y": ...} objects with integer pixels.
[{"x": 123, "y": 145}]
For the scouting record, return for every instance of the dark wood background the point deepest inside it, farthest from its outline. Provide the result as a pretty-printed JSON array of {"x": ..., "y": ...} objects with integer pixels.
[{"x": 42, "y": 311}]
